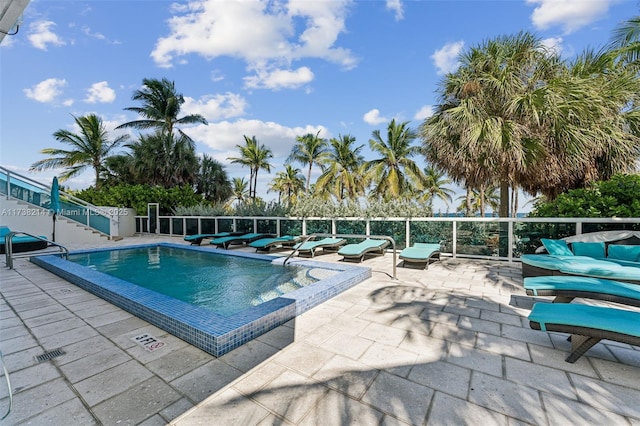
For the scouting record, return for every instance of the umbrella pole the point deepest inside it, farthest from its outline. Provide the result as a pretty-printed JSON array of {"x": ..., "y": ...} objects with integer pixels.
[{"x": 54, "y": 228}]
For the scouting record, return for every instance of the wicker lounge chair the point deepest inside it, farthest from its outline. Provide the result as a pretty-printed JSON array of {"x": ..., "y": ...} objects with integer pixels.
[
  {"x": 266, "y": 244},
  {"x": 586, "y": 324},
  {"x": 225, "y": 242},
  {"x": 565, "y": 289},
  {"x": 358, "y": 251},
  {"x": 197, "y": 239},
  {"x": 310, "y": 247},
  {"x": 420, "y": 254}
]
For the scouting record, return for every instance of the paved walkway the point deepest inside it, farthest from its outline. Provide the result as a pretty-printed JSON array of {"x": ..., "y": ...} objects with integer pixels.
[{"x": 450, "y": 345}]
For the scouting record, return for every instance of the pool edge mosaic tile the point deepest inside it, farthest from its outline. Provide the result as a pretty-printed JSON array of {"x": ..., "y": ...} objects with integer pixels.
[{"x": 213, "y": 333}]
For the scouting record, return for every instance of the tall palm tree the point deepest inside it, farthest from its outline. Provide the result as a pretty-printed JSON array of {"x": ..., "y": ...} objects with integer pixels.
[
  {"x": 239, "y": 191},
  {"x": 310, "y": 149},
  {"x": 288, "y": 184},
  {"x": 160, "y": 108},
  {"x": 342, "y": 169},
  {"x": 256, "y": 157},
  {"x": 434, "y": 186},
  {"x": 159, "y": 159},
  {"x": 514, "y": 114},
  {"x": 394, "y": 174},
  {"x": 89, "y": 148},
  {"x": 213, "y": 182}
]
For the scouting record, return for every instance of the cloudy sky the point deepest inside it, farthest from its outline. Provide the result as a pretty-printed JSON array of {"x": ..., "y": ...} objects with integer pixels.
[{"x": 269, "y": 69}]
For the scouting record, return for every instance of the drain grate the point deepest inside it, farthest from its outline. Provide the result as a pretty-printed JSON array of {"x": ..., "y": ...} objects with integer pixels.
[{"x": 49, "y": 355}]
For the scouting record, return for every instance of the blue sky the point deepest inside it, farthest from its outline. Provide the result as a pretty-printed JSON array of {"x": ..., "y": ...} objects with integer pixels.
[{"x": 273, "y": 69}]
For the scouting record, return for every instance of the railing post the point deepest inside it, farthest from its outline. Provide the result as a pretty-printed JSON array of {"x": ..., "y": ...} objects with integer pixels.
[
  {"x": 454, "y": 237},
  {"x": 509, "y": 243}
]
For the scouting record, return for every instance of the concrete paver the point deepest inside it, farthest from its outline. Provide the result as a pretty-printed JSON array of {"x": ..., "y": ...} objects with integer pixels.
[{"x": 447, "y": 345}]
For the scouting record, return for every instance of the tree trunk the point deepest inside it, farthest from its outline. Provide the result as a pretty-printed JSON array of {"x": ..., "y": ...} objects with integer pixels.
[
  {"x": 504, "y": 199},
  {"x": 468, "y": 202}
]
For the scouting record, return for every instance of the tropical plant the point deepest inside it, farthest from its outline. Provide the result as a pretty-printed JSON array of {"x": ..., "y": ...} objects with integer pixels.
[
  {"x": 212, "y": 181},
  {"x": 309, "y": 149},
  {"x": 239, "y": 191},
  {"x": 160, "y": 159},
  {"x": 256, "y": 157},
  {"x": 161, "y": 105},
  {"x": 288, "y": 184},
  {"x": 514, "y": 114},
  {"x": 434, "y": 186},
  {"x": 394, "y": 175},
  {"x": 89, "y": 148},
  {"x": 474, "y": 201},
  {"x": 342, "y": 174}
]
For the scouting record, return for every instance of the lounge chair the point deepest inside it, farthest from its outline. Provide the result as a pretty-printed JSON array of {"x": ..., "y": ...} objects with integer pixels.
[
  {"x": 565, "y": 289},
  {"x": 196, "y": 239},
  {"x": 21, "y": 243},
  {"x": 310, "y": 247},
  {"x": 265, "y": 244},
  {"x": 225, "y": 242},
  {"x": 586, "y": 324},
  {"x": 359, "y": 250},
  {"x": 420, "y": 253}
]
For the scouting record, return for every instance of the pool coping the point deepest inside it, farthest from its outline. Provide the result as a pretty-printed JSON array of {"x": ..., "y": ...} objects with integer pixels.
[{"x": 211, "y": 332}]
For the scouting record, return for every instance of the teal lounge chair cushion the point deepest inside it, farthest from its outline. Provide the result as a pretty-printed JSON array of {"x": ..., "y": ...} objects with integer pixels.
[
  {"x": 594, "y": 288},
  {"x": 419, "y": 252},
  {"x": 586, "y": 316},
  {"x": 267, "y": 242},
  {"x": 4, "y": 230},
  {"x": 622, "y": 252},
  {"x": 595, "y": 250},
  {"x": 556, "y": 247},
  {"x": 359, "y": 249}
]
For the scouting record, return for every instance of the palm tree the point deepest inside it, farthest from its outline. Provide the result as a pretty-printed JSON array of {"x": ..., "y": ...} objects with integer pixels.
[
  {"x": 394, "y": 174},
  {"x": 342, "y": 169},
  {"x": 288, "y": 184},
  {"x": 89, "y": 148},
  {"x": 160, "y": 108},
  {"x": 310, "y": 149},
  {"x": 256, "y": 157},
  {"x": 475, "y": 200},
  {"x": 434, "y": 186},
  {"x": 239, "y": 190},
  {"x": 213, "y": 182},
  {"x": 514, "y": 114},
  {"x": 159, "y": 159}
]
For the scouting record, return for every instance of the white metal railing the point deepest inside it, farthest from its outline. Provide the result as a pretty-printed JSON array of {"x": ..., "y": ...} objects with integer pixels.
[
  {"x": 37, "y": 194},
  {"x": 484, "y": 238}
]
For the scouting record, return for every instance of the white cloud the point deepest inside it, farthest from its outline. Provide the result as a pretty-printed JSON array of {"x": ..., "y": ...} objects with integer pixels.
[
  {"x": 570, "y": 15},
  {"x": 87, "y": 31},
  {"x": 47, "y": 90},
  {"x": 446, "y": 58},
  {"x": 100, "y": 93},
  {"x": 223, "y": 136},
  {"x": 279, "y": 79},
  {"x": 41, "y": 35},
  {"x": 373, "y": 117},
  {"x": 396, "y": 6},
  {"x": 554, "y": 44},
  {"x": 424, "y": 113},
  {"x": 216, "y": 107},
  {"x": 266, "y": 35}
]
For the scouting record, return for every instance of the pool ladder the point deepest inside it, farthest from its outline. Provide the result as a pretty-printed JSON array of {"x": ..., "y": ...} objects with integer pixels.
[{"x": 8, "y": 246}]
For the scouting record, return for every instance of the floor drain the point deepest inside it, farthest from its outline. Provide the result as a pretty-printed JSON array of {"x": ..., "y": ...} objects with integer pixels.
[{"x": 49, "y": 355}]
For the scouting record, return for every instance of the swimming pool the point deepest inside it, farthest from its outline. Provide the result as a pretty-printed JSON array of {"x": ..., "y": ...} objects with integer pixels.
[{"x": 216, "y": 332}]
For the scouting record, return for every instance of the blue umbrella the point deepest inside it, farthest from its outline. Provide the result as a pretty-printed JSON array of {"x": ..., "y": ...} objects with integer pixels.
[{"x": 54, "y": 206}]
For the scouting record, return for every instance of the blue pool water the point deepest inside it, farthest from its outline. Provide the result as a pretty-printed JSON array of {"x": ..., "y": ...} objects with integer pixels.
[
  {"x": 219, "y": 330},
  {"x": 223, "y": 284}
]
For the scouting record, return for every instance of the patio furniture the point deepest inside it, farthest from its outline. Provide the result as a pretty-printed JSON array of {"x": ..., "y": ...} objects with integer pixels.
[
  {"x": 358, "y": 251},
  {"x": 420, "y": 254},
  {"x": 197, "y": 239},
  {"x": 586, "y": 324},
  {"x": 565, "y": 289},
  {"x": 225, "y": 242},
  {"x": 21, "y": 243},
  {"x": 266, "y": 244},
  {"x": 310, "y": 247}
]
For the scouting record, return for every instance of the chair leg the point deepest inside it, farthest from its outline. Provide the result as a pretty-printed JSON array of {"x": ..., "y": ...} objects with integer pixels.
[{"x": 580, "y": 345}]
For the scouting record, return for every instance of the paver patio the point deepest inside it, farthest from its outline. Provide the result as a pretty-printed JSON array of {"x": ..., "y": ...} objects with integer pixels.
[{"x": 447, "y": 345}]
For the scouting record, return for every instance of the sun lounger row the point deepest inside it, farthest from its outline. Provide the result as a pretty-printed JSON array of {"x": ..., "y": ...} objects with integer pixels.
[{"x": 586, "y": 324}]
